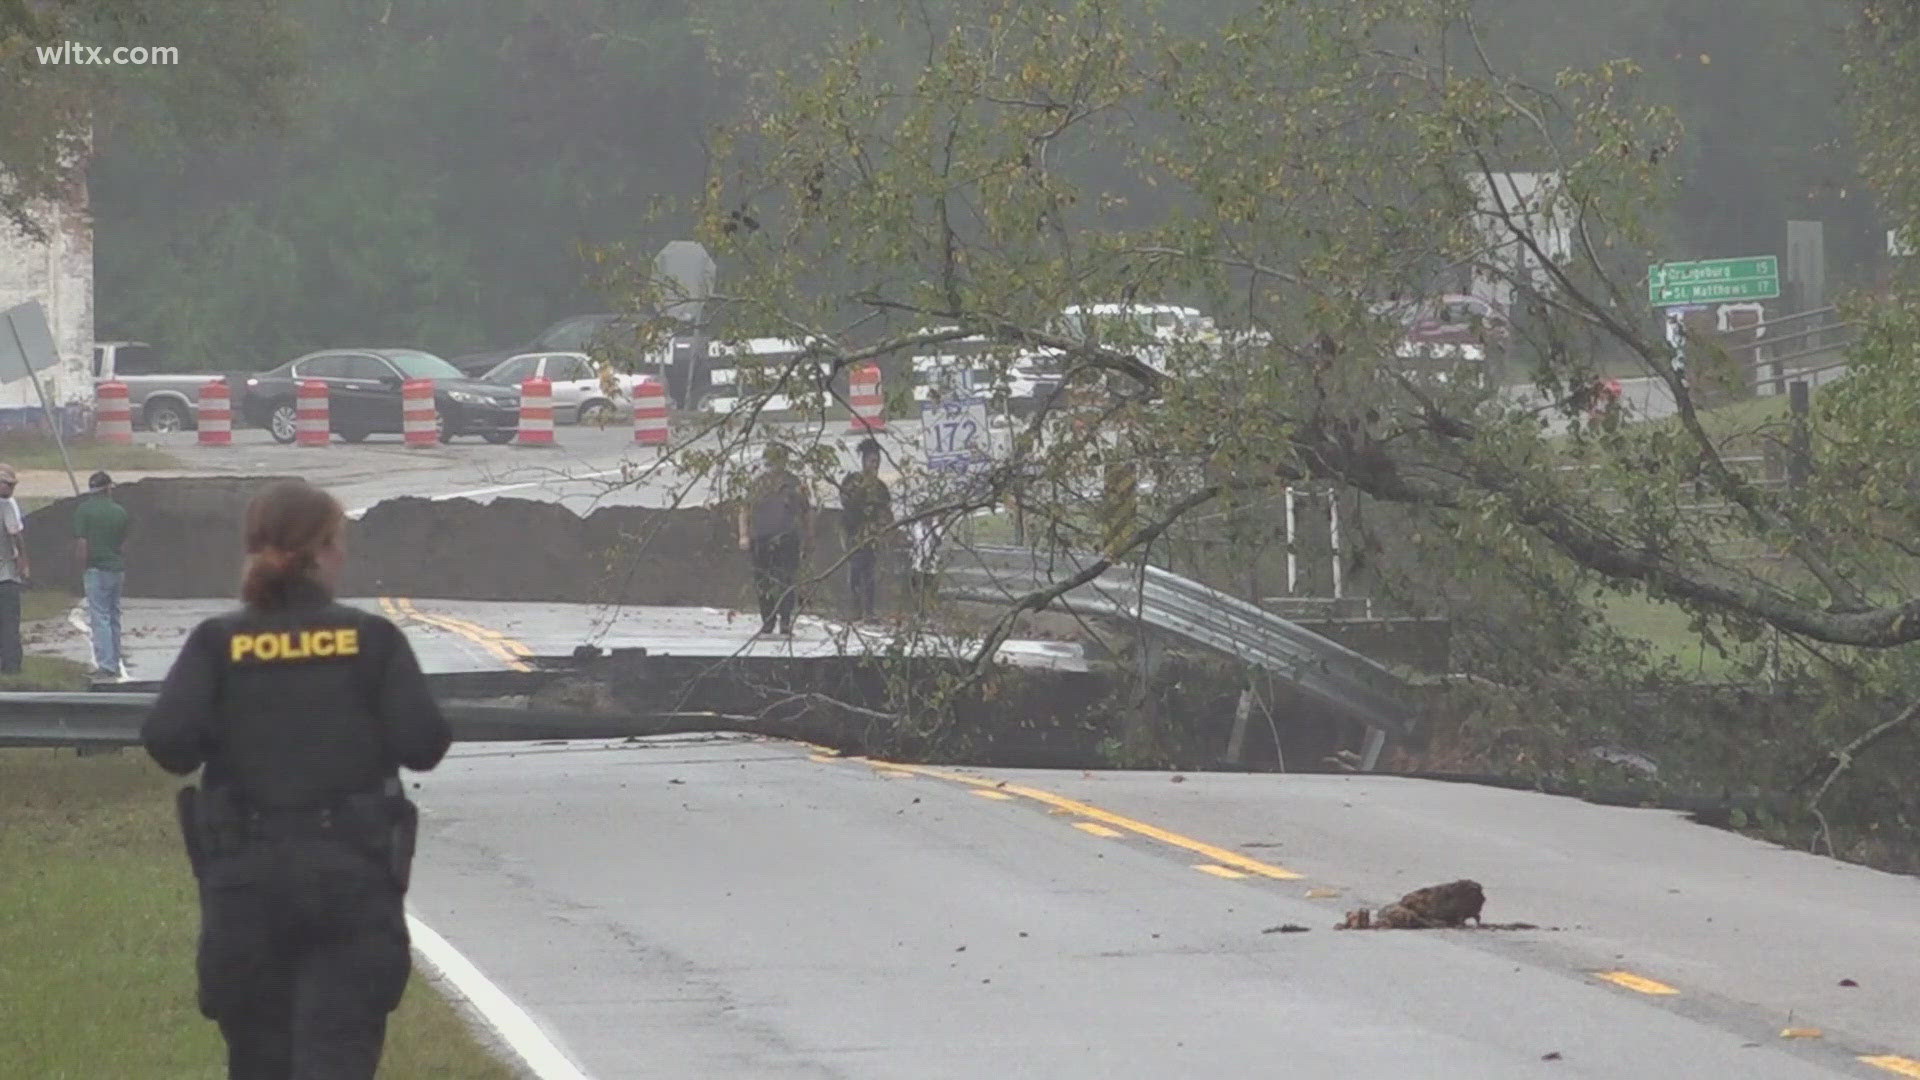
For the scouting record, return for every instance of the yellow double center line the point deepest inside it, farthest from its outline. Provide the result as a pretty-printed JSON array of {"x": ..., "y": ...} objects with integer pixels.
[
  {"x": 1232, "y": 864},
  {"x": 1232, "y": 860},
  {"x": 513, "y": 654}
]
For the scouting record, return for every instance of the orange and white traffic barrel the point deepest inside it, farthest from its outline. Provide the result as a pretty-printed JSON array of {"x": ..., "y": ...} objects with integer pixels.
[
  {"x": 312, "y": 422},
  {"x": 420, "y": 421},
  {"x": 113, "y": 414},
  {"x": 869, "y": 407},
  {"x": 216, "y": 414},
  {"x": 650, "y": 424},
  {"x": 536, "y": 412}
]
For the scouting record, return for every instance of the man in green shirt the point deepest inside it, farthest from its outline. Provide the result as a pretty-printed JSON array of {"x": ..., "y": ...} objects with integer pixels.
[{"x": 100, "y": 528}]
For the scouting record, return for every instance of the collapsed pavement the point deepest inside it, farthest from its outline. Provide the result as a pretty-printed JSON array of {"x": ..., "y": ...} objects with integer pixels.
[{"x": 187, "y": 544}]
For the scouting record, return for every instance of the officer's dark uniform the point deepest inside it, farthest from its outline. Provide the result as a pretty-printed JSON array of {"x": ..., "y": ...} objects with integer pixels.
[{"x": 300, "y": 837}]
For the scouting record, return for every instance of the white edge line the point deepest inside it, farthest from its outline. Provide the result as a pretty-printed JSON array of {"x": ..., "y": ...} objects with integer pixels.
[{"x": 508, "y": 1020}]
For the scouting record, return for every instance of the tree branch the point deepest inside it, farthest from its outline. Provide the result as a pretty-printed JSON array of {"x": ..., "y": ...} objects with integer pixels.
[
  {"x": 1843, "y": 757},
  {"x": 1038, "y": 599}
]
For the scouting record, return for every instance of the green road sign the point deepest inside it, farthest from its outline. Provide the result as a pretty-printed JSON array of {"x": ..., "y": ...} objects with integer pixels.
[{"x": 1715, "y": 281}]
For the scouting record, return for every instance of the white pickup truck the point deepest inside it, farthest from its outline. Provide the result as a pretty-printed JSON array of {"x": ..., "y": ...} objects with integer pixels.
[{"x": 161, "y": 401}]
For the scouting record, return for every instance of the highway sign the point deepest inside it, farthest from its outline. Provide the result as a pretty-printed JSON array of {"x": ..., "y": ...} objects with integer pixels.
[
  {"x": 684, "y": 271},
  {"x": 954, "y": 434},
  {"x": 1714, "y": 281},
  {"x": 26, "y": 342}
]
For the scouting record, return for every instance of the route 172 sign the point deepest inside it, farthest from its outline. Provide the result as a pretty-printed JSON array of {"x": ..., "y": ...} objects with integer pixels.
[{"x": 954, "y": 434}]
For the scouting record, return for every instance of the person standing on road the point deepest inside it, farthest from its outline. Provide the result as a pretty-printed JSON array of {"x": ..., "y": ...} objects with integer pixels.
[
  {"x": 774, "y": 523},
  {"x": 100, "y": 527},
  {"x": 924, "y": 559},
  {"x": 14, "y": 576},
  {"x": 866, "y": 511},
  {"x": 302, "y": 711}
]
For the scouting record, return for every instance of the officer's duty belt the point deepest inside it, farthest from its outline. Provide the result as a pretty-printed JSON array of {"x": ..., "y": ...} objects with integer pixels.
[{"x": 291, "y": 824}]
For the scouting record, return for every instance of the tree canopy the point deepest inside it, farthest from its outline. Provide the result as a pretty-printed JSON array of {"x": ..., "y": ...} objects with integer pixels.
[
  {"x": 1313, "y": 165},
  {"x": 502, "y": 136}
]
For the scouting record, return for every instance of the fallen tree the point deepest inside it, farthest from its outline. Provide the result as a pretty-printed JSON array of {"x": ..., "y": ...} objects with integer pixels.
[{"x": 1317, "y": 171}]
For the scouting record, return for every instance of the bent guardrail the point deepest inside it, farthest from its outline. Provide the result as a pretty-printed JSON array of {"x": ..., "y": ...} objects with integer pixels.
[{"x": 1329, "y": 671}]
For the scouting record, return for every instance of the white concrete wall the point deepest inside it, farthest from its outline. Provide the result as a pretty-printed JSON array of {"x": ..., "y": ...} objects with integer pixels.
[{"x": 59, "y": 274}]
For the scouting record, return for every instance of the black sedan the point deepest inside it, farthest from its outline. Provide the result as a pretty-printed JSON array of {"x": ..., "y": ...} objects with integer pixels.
[{"x": 364, "y": 395}]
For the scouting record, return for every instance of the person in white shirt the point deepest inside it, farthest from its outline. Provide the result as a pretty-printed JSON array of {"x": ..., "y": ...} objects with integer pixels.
[{"x": 13, "y": 573}]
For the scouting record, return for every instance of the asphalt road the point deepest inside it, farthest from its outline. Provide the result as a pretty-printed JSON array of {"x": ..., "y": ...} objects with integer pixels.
[
  {"x": 1641, "y": 398},
  {"x": 745, "y": 908},
  {"x": 737, "y": 908}
]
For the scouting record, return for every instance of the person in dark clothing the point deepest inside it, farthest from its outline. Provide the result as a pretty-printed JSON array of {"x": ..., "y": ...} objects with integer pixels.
[
  {"x": 775, "y": 520},
  {"x": 300, "y": 712},
  {"x": 866, "y": 512}
]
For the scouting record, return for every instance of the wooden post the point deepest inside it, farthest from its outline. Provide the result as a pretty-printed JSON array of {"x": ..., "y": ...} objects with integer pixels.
[
  {"x": 1293, "y": 558},
  {"x": 1799, "y": 445},
  {"x": 1333, "y": 532}
]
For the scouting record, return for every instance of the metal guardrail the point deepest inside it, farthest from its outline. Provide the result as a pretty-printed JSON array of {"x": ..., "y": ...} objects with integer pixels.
[
  {"x": 113, "y": 719},
  {"x": 1818, "y": 336},
  {"x": 1323, "y": 668}
]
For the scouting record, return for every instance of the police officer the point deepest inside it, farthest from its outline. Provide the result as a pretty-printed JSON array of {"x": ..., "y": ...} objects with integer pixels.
[{"x": 302, "y": 711}]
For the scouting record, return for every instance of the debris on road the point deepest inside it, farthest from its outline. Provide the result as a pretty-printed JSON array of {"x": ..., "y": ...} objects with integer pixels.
[
  {"x": 1285, "y": 928},
  {"x": 1802, "y": 1033},
  {"x": 1433, "y": 907}
]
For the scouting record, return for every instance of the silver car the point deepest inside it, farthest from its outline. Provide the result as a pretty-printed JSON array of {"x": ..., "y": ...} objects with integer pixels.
[{"x": 579, "y": 395}]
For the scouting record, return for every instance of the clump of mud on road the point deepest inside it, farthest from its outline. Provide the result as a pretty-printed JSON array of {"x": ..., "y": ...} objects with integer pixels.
[{"x": 1436, "y": 907}]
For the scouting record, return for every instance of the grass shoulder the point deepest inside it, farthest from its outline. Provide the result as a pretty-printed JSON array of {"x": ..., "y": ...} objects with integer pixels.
[
  {"x": 46, "y": 674},
  {"x": 98, "y": 925}
]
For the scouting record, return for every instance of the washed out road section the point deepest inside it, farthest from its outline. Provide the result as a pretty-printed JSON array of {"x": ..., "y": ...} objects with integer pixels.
[{"x": 458, "y": 636}]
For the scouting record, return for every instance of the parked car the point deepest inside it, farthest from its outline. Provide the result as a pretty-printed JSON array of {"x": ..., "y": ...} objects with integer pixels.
[
  {"x": 1031, "y": 377},
  {"x": 579, "y": 394},
  {"x": 580, "y": 333},
  {"x": 364, "y": 395},
  {"x": 160, "y": 401},
  {"x": 1448, "y": 319}
]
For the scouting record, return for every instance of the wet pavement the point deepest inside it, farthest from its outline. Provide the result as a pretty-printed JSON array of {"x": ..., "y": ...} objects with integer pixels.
[{"x": 737, "y": 907}]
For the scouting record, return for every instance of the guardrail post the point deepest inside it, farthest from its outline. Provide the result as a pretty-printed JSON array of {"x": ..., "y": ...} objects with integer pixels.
[
  {"x": 1370, "y": 750},
  {"x": 1237, "y": 742}
]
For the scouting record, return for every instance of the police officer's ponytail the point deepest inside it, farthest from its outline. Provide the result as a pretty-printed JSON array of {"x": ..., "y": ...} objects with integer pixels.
[{"x": 288, "y": 525}]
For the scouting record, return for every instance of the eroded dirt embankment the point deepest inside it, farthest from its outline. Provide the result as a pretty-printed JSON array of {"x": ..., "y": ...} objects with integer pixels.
[{"x": 187, "y": 543}]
